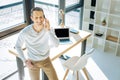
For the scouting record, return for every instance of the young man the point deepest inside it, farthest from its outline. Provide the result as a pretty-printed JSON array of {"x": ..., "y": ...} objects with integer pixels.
[{"x": 36, "y": 38}]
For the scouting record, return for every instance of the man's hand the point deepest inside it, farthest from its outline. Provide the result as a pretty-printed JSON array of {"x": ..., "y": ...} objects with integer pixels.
[
  {"x": 47, "y": 24},
  {"x": 29, "y": 64}
]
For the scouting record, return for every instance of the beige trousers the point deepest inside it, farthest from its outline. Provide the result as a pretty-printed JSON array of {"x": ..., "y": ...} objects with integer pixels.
[{"x": 46, "y": 66}]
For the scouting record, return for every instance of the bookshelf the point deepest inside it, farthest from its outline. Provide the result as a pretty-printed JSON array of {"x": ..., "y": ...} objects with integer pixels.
[{"x": 105, "y": 36}]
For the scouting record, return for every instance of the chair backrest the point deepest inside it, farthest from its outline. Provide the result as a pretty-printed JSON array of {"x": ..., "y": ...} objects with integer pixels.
[{"x": 83, "y": 60}]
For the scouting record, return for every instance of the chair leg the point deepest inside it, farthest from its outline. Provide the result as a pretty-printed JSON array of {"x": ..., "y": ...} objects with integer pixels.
[
  {"x": 85, "y": 72},
  {"x": 73, "y": 73},
  {"x": 66, "y": 74},
  {"x": 77, "y": 75}
]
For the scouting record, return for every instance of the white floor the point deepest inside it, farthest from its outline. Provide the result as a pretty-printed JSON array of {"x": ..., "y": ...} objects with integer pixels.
[{"x": 101, "y": 66}]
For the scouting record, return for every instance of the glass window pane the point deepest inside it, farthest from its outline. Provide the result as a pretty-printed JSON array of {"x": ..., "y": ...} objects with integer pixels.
[
  {"x": 50, "y": 8},
  {"x": 55, "y": 2},
  {"x": 71, "y": 2},
  {"x": 11, "y": 13},
  {"x": 7, "y": 61},
  {"x": 72, "y": 18}
]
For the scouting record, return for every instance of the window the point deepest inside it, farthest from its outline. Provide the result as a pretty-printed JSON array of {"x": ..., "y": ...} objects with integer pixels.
[
  {"x": 11, "y": 13},
  {"x": 50, "y": 8},
  {"x": 73, "y": 13},
  {"x": 71, "y": 2},
  {"x": 72, "y": 18}
]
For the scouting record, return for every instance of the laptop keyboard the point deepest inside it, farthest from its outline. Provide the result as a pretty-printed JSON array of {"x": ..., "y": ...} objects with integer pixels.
[{"x": 64, "y": 40}]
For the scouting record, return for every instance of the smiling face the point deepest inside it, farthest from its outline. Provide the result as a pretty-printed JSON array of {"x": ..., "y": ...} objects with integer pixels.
[{"x": 38, "y": 18}]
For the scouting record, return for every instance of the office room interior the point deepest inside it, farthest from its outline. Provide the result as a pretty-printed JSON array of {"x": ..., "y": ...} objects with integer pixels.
[{"x": 92, "y": 24}]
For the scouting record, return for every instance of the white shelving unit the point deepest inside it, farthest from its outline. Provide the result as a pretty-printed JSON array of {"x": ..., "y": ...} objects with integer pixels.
[{"x": 105, "y": 37}]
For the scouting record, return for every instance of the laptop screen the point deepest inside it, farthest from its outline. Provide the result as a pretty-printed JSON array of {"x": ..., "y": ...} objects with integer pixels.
[{"x": 62, "y": 33}]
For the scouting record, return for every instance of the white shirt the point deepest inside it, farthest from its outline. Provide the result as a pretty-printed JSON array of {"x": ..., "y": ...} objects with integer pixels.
[{"x": 37, "y": 44}]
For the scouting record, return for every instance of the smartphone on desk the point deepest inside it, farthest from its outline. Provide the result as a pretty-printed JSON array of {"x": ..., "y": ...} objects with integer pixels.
[{"x": 72, "y": 30}]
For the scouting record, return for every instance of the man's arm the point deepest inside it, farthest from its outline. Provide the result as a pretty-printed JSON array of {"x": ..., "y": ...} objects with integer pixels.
[
  {"x": 18, "y": 47},
  {"x": 53, "y": 39}
]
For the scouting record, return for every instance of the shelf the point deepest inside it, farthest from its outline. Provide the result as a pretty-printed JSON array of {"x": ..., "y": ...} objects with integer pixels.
[
  {"x": 98, "y": 43},
  {"x": 103, "y": 5},
  {"x": 110, "y": 47},
  {"x": 114, "y": 22},
  {"x": 100, "y": 17},
  {"x": 113, "y": 33},
  {"x": 115, "y": 9},
  {"x": 100, "y": 30},
  {"x": 87, "y": 17},
  {"x": 118, "y": 51},
  {"x": 86, "y": 27},
  {"x": 114, "y": 27},
  {"x": 88, "y": 5},
  {"x": 119, "y": 40}
]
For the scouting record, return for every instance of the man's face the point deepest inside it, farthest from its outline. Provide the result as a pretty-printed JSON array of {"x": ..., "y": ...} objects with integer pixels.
[{"x": 38, "y": 18}]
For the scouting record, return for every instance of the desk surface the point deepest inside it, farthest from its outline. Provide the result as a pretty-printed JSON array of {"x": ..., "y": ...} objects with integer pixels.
[
  {"x": 61, "y": 49},
  {"x": 75, "y": 38}
]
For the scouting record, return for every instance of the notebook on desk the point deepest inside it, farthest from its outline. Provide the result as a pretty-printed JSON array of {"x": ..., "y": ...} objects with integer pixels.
[{"x": 63, "y": 35}]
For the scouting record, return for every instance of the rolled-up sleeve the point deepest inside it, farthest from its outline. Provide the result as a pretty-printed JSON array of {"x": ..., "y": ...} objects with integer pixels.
[{"x": 53, "y": 39}]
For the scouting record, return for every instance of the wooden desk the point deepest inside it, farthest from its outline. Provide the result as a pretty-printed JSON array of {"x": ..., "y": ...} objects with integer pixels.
[{"x": 76, "y": 39}]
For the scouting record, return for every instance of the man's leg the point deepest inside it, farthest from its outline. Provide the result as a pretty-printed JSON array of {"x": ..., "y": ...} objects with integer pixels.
[
  {"x": 34, "y": 73},
  {"x": 49, "y": 70}
]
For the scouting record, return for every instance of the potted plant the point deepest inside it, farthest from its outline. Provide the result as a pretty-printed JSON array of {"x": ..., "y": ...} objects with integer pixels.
[{"x": 104, "y": 22}]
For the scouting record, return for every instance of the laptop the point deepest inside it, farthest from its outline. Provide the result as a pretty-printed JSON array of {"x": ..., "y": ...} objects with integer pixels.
[{"x": 63, "y": 35}]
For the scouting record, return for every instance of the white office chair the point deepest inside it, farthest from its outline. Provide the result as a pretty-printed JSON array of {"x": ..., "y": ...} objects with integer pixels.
[{"x": 76, "y": 64}]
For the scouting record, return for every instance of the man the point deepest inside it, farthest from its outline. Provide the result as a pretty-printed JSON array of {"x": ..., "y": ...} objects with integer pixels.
[{"x": 36, "y": 38}]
